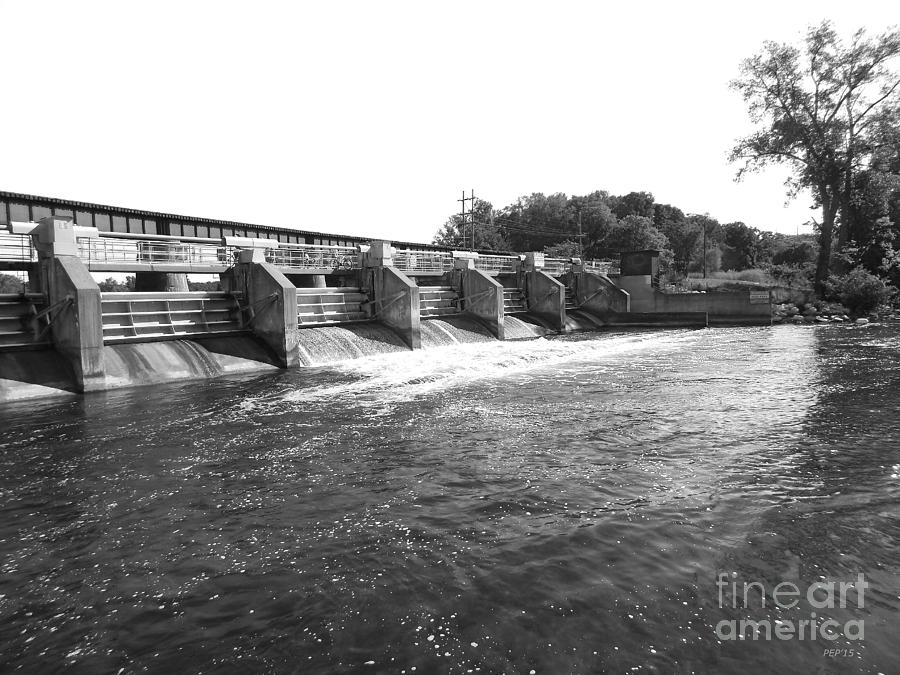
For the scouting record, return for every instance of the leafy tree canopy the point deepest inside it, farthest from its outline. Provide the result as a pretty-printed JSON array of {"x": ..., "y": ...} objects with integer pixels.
[{"x": 829, "y": 110}]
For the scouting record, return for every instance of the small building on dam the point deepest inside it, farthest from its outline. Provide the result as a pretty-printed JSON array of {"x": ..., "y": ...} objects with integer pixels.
[{"x": 289, "y": 298}]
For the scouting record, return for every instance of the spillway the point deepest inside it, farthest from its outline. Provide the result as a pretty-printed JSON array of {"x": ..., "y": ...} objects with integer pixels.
[
  {"x": 579, "y": 320},
  {"x": 142, "y": 363},
  {"x": 451, "y": 330},
  {"x": 516, "y": 329},
  {"x": 331, "y": 344}
]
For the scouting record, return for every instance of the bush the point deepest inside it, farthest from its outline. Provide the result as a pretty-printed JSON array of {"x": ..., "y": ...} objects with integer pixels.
[
  {"x": 800, "y": 253},
  {"x": 859, "y": 291},
  {"x": 755, "y": 276},
  {"x": 11, "y": 284},
  {"x": 794, "y": 276}
]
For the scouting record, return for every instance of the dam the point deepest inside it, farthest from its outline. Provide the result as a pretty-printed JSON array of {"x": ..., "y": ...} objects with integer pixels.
[
  {"x": 285, "y": 302},
  {"x": 399, "y": 489}
]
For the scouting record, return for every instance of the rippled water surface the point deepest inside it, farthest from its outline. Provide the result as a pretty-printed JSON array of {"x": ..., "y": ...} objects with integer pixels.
[{"x": 555, "y": 506}]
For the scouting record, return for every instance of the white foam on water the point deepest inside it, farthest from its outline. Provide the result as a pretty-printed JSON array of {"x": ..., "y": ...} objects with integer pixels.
[{"x": 397, "y": 377}]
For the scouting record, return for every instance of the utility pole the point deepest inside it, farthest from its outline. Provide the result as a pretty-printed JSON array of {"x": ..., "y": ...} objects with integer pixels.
[
  {"x": 580, "y": 244},
  {"x": 704, "y": 250},
  {"x": 470, "y": 221}
]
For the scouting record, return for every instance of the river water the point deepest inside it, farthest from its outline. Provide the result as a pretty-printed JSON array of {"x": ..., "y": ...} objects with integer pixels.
[{"x": 552, "y": 506}]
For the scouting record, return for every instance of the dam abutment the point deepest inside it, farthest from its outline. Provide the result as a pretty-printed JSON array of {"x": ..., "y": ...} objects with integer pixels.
[{"x": 74, "y": 309}]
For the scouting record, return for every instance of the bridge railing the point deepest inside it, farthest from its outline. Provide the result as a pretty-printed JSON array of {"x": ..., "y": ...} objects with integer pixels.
[
  {"x": 501, "y": 264},
  {"x": 423, "y": 262},
  {"x": 16, "y": 248},
  {"x": 557, "y": 266},
  {"x": 602, "y": 266},
  {"x": 119, "y": 250},
  {"x": 309, "y": 256}
]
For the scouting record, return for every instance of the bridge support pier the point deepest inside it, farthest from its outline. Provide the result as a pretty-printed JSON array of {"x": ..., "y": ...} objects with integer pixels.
[
  {"x": 546, "y": 297},
  {"x": 269, "y": 304},
  {"x": 597, "y": 294},
  {"x": 161, "y": 282},
  {"x": 482, "y": 296},
  {"x": 73, "y": 302},
  {"x": 393, "y": 297}
]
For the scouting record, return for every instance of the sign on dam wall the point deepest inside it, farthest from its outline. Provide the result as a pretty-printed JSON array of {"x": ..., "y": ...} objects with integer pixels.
[{"x": 338, "y": 303}]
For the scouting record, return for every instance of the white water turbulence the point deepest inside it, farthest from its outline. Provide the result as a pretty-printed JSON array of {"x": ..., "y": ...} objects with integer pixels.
[
  {"x": 559, "y": 505},
  {"x": 451, "y": 330},
  {"x": 387, "y": 379},
  {"x": 331, "y": 344}
]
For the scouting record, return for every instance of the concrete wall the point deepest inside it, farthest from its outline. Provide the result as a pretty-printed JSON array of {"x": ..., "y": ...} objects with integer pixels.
[
  {"x": 271, "y": 302},
  {"x": 76, "y": 318},
  {"x": 640, "y": 292},
  {"x": 658, "y": 319},
  {"x": 395, "y": 302},
  {"x": 546, "y": 298},
  {"x": 722, "y": 308},
  {"x": 482, "y": 297},
  {"x": 597, "y": 294}
]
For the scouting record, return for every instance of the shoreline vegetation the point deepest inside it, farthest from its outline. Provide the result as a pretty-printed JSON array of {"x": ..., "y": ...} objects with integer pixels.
[{"x": 828, "y": 109}]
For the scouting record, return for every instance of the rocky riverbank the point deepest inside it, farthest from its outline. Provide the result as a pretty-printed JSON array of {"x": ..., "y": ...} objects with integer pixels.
[{"x": 827, "y": 313}]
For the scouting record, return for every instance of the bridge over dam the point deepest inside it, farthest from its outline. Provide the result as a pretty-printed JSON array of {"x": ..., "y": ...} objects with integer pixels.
[{"x": 286, "y": 303}]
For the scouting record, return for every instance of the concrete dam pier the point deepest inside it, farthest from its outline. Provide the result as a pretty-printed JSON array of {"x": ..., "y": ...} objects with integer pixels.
[{"x": 284, "y": 305}]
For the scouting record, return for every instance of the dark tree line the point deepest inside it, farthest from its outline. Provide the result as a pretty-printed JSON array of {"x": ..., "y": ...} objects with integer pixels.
[
  {"x": 827, "y": 108},
  {"x": 601, "y": 225}
]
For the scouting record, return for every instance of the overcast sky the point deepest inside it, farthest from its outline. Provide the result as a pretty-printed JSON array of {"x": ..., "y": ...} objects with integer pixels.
[{"x": 370, "y": 118}]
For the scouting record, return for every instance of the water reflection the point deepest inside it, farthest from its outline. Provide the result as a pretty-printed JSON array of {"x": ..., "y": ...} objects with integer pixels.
[{"x": 558, "y": 505}]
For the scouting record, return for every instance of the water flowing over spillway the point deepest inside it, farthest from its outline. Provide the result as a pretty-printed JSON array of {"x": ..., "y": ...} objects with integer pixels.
[
  {"x": 516, "y": 329},
  {"x": 451, "y": 330},
  {"x": 152, "y": 362},
  {"x": 331, "y": 344},
  {"x": 559, "y": 505},
  {"x": 579, "y": 319}
]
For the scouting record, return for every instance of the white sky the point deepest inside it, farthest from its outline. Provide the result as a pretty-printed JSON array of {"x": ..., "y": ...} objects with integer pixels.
[{"x": 370, "y": 118}]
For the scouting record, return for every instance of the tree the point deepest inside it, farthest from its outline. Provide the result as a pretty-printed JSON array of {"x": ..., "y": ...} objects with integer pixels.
[
  {"x": 456, "y": 233},
  {"x": 795, "y": 253},
  {"x": 746, "y": 247},
  {"x": 709, "y": 235},
  {"x": 564, "y": 249},
  {"x": 823, "y": 111},
  {"x": 634, "y": 204},
  {"x": 665, "y": 216},
  {"x": 110, "y": 285},
  {"x": 11, "y": 284},
  {"x": 597, "y": 220},
  {"x": 538, "y": 220},
  {"x": 635, "y": 233}
]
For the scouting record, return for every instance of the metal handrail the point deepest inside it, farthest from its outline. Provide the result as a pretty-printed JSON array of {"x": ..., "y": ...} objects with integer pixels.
[
  {"x": 602, "y": 266},
  {"x": 314, "y": 256},
  {"x": 557, "y": 265},
  {"x": 423, "y": 261},
  {"x": 105, "y": 250},
  {"x": 496, "y": 263},
  {"x": 16, "y": 248}
]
